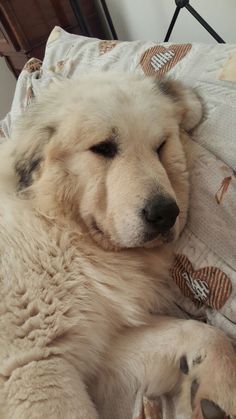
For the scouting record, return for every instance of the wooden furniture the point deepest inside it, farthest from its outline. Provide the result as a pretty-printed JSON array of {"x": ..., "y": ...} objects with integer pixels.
[{"x": 26, "y": 24}]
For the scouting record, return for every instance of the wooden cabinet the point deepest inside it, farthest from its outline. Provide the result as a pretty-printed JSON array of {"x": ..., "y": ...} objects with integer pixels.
[{"x": 26, "y": 24}]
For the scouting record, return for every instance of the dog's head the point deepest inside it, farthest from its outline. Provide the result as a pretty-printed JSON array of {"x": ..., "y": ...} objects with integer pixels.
[{"x": 105, "y": 151}]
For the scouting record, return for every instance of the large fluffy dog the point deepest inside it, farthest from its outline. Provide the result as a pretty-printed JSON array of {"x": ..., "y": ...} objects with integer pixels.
[{"x": 94, "y": 188}]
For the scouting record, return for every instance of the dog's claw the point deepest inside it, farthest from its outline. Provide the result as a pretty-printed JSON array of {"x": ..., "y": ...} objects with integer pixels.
[{"x": 211, "y": 410}]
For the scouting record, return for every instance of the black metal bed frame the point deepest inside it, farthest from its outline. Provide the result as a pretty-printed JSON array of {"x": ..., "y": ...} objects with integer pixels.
[
  {"x": 85, "y": 30},
  {"x": 185, "y": 3},
  {"x": 180, "y": 4}
]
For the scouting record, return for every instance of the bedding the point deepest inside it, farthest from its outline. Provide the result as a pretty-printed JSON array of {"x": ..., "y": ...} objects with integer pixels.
[{"x": 205, "y": 265}]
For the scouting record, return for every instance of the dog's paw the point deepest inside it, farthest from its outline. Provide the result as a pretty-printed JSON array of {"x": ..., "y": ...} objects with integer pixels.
[{"x": 209, "y": 385}]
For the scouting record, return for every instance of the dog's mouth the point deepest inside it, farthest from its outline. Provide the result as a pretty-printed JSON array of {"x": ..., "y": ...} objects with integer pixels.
[
  {"x": 151, "y": 239},
  {"x": 101, "y": 237},
  {"x": 148, "y": 237}
]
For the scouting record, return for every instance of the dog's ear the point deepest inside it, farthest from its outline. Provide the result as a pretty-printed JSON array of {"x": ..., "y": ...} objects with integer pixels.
[
  {"x": 189, "y": 105},
  {"x": 30, "y": 135},
  {"x": 29, "y": 158}
]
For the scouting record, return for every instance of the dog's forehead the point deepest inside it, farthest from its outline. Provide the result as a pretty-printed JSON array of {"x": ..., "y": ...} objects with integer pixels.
[
  {"x": 138, "y": 104},
  {"x": 120, "y": 95},
  {"x": 136, "y": 111},
  {"x": 140, "y": 118}
]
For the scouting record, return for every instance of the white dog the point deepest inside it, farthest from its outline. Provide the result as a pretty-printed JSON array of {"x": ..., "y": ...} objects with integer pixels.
[{"x": 93, "y": 190}]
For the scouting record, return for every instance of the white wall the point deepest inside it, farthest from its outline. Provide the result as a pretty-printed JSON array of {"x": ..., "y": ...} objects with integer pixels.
[
  {"x": 7, "y": 88},
  {"x": 149, "y": 20}
]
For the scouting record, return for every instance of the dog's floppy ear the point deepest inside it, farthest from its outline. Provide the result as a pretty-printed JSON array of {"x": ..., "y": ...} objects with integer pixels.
[
  {"x": 32, "y": 131},
  {"x": 188, "y": 102},
  {"x": 29, "y": 138},
  {"x": 30, "y": 156}
]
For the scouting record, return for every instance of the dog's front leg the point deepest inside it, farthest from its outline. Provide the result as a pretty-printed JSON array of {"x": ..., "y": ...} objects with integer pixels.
[
  {"x": 46, "y": 389},
  {"x": 170, "y": 356}
]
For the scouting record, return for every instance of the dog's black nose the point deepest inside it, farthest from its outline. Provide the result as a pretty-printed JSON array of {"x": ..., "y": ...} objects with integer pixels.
[{"x": 160, "y": 213}]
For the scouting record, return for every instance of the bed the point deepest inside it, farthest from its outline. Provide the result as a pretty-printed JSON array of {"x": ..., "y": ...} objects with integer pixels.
[{"x": 204, "y": 271}]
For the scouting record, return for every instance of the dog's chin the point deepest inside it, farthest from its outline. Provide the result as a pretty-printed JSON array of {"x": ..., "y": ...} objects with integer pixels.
[{"x": 160, "y": 239}]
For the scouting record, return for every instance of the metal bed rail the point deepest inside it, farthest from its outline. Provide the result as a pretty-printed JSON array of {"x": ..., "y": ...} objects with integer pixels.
[{"x": 185, "y": 3}]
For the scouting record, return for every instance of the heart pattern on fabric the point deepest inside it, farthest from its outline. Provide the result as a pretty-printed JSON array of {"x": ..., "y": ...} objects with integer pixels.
[
  {"x": 158, "y": 60},
  {"x": 205, "y": 286},
  {"x": 106, "y": 46},
  {"x": 32, "y": 65}
]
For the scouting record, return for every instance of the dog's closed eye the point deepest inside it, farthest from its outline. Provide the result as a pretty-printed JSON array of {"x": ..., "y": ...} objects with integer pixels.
[
  {"x": 160, "y": 147},
  {"x": 107, "y": 149}
]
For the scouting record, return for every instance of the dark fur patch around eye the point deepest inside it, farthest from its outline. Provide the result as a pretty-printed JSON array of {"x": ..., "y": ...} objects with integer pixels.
[{"x": 107, "y": 149}]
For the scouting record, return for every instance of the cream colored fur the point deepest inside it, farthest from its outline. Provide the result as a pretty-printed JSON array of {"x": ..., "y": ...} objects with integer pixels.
[{"x": 78, "y": 280}]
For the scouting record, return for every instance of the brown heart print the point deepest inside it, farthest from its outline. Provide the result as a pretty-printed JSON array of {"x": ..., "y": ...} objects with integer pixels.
[
  {"x": 205, "y": 286},
  {"x": 106, "y": 46},
  {"x": 158, "y": 60},
  {"x": 32, "y": 65}
]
